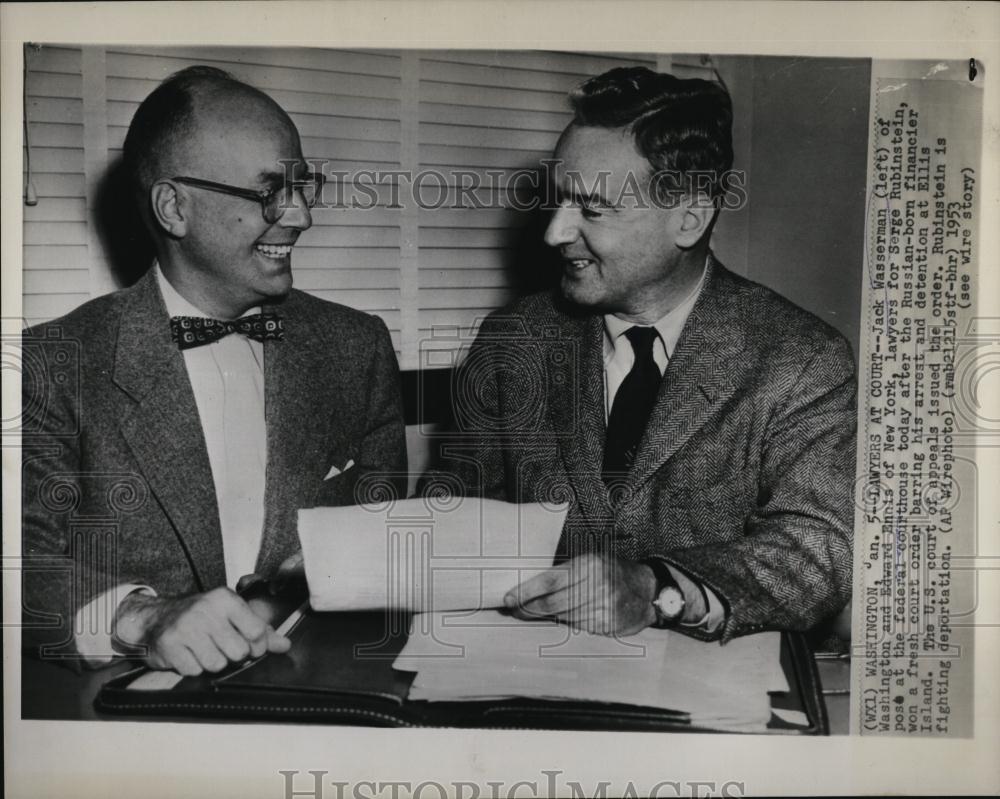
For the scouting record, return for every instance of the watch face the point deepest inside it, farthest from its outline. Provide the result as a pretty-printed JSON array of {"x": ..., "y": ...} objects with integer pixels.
[{"x": 670, "y": 602}]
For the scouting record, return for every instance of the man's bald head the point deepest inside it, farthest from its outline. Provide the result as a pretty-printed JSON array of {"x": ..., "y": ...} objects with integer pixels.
[{"x": 169, "y": 122}]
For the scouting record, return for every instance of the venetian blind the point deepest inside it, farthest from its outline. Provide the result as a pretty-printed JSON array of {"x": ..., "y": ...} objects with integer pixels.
[
  {"x": 56, "y": 265},
  {"x": 426, "y": 268}
]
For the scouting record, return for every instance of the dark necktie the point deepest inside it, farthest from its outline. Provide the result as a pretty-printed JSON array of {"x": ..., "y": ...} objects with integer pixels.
[
  {"x": 193, "y": 331},
  {"x": 632, "y": 405}
]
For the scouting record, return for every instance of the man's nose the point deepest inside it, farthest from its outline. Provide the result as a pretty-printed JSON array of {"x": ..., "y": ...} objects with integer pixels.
[
  {"x": 563, "y": 227},
  {"x": 297, "y": 214}
]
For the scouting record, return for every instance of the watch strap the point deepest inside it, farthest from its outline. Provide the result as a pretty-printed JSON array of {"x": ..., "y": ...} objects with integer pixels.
[
  {"x": 664, "y": 580},
  {"x": 661, "y": 572}
]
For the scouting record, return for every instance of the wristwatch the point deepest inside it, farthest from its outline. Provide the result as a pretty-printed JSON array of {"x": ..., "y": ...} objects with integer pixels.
[{"x": 668, "y": 601}]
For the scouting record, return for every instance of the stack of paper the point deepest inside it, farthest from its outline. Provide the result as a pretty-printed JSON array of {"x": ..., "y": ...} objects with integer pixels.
[
  {"x": 437, "y": 554},
  {"x": 489, "y": 655}
]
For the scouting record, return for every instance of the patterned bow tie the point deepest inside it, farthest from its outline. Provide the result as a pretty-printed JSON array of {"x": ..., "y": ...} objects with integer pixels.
[{"x": 193, "y": 331}]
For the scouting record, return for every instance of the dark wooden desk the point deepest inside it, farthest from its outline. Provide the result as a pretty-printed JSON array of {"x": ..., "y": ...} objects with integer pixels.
[{"x": 53, "y": 692}]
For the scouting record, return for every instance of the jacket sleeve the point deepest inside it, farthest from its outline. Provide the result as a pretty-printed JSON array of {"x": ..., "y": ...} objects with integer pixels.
[{"x": 792, "y": 567}]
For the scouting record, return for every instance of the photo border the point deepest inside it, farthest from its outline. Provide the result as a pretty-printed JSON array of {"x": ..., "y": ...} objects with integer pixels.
[{"x": 128, "y": 758}]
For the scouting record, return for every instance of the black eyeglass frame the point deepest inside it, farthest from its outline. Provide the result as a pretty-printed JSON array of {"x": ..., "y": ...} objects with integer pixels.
[{"x": 263, "y": 196}]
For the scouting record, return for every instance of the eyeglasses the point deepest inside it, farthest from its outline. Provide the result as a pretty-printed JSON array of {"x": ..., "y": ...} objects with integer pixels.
[{"x": 273, "y": 202}]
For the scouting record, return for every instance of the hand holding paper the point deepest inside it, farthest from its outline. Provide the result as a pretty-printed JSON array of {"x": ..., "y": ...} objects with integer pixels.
[{"x": 598, "y": 594}]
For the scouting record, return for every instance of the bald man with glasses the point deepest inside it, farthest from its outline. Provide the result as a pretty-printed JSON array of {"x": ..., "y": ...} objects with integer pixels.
[{"x": 206, "y": 404}]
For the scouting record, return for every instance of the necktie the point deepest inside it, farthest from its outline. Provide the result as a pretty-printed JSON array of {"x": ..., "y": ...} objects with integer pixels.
[
  {"x": 633, "y": 404},
  {"x": 193, "y": 331}
]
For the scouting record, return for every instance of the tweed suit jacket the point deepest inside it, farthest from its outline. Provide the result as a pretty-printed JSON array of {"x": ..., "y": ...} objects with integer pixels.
[
  {"x": 117, "y": 486},
  {"x": 744, "y": 475}
]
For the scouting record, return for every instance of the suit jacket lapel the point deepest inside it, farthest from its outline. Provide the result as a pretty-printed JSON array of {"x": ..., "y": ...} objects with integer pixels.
[
  {"x": 701, "y": 375},
  {"x": 163, "y": 429},
  {"x": 300, "y": 409},
  {"x": 579, "y": 401}
]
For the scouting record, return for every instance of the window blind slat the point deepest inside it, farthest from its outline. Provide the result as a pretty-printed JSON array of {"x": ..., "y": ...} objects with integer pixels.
[
  {"x": 62, "y": 209},
  {"x": 337, "y": 236},
  {"x": 462, "y": 218},
  {"x": 64, "y": 110},
  {"x": 377, "y": 152},
  {"x": 451, "y": 114},
  {"x": 483, "y": 157},
  {"x": 52, "y": 84},
  {"x": 54, "y": 58},
  {"x": 319, "y": 126},
  {"x": 57, "y": 160},
  {"x": 498, "y": 76},
  {"x": 468, "y": 237},
  {"x": 494, "y": 277},
  {"x": 56, "y": 281},
  {"x": 377, "y": 216},
  {"x": 457, "y": 258},
  {"x": 55, "y": 233},
  {"x": 52, "y": 256},
  {"x": 47, "y": 134},
  {"x": 381, "y": 259},
  {"x": 57, "y": 184},
  {"x": 490, "y": 96},
  {"x": 461, "y": 135}
]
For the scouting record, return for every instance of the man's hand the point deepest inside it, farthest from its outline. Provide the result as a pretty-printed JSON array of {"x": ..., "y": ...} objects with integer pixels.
[
  {"x": 195, "y": 633},
  {"x": 598, "y": 594}
]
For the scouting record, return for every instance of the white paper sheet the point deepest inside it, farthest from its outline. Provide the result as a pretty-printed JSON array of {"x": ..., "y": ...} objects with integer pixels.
[
  {"x": 486, "y": 655},
  {"x": 424, "y": 555}
]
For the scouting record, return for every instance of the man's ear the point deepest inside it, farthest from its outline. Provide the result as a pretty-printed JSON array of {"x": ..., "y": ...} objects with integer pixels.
[
  {"x": 698, "y": 214},
  {"x": 168, "y": 208}
]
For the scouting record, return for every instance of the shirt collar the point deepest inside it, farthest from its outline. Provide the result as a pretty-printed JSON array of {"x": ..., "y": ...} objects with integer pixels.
[
  {"x": 668, "y": 326},
  {"x": 176, "y": 304}
]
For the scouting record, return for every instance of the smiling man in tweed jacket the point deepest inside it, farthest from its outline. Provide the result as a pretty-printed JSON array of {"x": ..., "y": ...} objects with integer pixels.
[
  {"x": 173, "y": 429},
  {"x": 701, "y": 427}
]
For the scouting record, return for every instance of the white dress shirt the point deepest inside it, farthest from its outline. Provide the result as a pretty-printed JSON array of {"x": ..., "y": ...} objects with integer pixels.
[
  {"x": 618, "y": 361},
  {"x": 227, "y": 378},
  {"x": 618, "y": 355}
]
